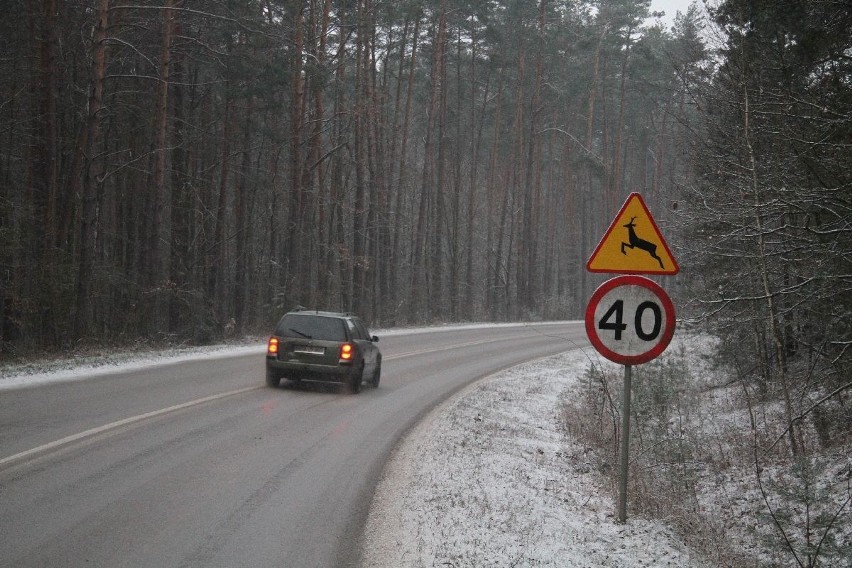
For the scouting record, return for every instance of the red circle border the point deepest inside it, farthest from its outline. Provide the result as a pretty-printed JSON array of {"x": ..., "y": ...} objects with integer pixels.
[{"x": 630, "y": 280}]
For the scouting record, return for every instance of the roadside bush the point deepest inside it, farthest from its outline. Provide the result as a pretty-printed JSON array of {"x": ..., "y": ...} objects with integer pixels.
[
  {"x": 668, "y": 454},
  {"x": 707, "y": 457}
]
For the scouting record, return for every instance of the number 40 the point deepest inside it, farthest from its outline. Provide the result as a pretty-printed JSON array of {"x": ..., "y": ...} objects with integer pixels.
[{"x": 618, "y": 326}]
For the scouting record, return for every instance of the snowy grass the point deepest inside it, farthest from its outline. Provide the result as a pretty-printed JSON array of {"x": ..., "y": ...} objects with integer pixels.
[
  {"x": 502, "y": 475},
  {"x": 491, "y": 479},
  {"x": 699, "y": 465}
]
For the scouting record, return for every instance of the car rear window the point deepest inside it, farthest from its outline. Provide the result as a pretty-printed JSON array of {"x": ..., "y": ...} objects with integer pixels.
[{"x": 311, "y": 327}]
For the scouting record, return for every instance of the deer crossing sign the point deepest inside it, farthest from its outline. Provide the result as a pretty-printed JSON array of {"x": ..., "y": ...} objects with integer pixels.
[{"x": 633, "y": 244}]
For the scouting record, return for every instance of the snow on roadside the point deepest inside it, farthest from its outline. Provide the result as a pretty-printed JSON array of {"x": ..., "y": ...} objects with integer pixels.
[
  {"x": 51, "y": 370},
  {"x": 490, "y": 479},
  {"x": 79, "y": 368}
]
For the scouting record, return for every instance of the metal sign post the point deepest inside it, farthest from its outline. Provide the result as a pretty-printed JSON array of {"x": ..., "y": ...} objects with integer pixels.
[
  {"x": 630, "y": 319},
  {"x": 625, "y": 446}
]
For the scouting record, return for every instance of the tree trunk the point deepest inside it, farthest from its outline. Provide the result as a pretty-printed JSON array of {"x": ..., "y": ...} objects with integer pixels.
[
  {"x": 424, "y": 233},
  {"x": 323, "y": 292},
  {"x": 218, "y": 282},
  {"x": 51, "y": 130},
  {"x": 771, "y": 312},
  {"x": 243, "y": 227},
  {"x": 437, "y": 256},
  {"x": 527, "y": 275},
  {"x": 494, "y": 230},
  {"x": 159, "y": 232},
  {"x": 88, "y": 228},
  {"x": 180, "y": 198},
  {"x": 360, "y": 105},
  {"x": 296, "y": 200},
  {"x": 614, "y": 198},
  {"x": 403, "y": 160}
]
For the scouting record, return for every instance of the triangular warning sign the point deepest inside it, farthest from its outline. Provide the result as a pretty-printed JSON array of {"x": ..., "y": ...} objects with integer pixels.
[{"x": 633, "y": 244}]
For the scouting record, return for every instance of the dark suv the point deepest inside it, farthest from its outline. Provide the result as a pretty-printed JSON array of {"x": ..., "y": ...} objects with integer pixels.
[{"x": 323, "y": 346}]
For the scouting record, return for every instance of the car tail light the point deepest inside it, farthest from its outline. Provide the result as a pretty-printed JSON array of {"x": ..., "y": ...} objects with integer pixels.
[
  {"x": 347, "y": 352},
  {"x": 272, "y": 346}
]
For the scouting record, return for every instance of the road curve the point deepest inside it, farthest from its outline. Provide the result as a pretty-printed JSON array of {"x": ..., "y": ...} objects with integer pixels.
[{"x": 199, "y": 464}]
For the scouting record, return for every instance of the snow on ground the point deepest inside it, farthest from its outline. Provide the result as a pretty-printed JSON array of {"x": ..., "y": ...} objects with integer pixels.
[
  {"x": 18, "y": 375},
  {"x": 490, "y": 479},
  {"x": 85, "y": 367}
]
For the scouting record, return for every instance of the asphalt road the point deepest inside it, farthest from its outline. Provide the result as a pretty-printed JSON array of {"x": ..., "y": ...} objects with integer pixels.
[{"x": 200, "y": 464}]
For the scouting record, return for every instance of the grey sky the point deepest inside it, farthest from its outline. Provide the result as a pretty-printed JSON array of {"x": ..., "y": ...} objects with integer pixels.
[{"x": 670, "y": 7}]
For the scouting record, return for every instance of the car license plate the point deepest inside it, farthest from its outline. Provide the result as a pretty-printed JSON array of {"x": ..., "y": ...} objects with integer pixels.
[{"x": 309, "y": 350}]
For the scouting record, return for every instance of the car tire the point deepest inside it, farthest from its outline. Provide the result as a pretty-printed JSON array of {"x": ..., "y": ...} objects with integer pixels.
[
  {"x": 377, "y": 374},
  {"x": 272, "y": 379}
]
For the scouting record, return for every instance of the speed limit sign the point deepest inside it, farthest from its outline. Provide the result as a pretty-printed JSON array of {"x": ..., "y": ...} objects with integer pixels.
[{"x": 630, "y": 320}]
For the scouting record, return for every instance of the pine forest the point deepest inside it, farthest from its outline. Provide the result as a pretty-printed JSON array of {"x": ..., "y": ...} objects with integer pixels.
[{"x": 177, "y": 171}]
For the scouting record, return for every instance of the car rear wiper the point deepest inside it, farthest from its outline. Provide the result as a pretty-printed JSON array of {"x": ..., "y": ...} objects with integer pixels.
[{"x": 305, "y": 335}]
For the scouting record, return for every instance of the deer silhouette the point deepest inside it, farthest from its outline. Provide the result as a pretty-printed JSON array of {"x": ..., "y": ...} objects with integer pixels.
[{"x": 636, "y": 242}]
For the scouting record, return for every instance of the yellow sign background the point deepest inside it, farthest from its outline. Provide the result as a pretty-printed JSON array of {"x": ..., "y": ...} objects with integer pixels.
[{"x": 640, "y": 251}]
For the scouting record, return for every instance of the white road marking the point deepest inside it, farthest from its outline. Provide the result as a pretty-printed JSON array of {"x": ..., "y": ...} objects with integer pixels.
[
  {"x": 134, "y": 419},
  {"x": 118, "y": 424}
]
